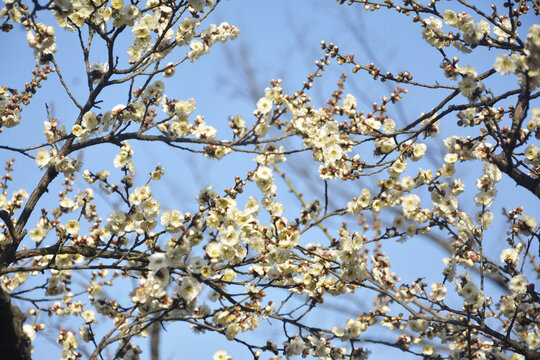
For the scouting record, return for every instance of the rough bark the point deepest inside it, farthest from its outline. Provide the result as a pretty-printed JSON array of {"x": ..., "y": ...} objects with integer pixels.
[{"x": 14, "y": 344}]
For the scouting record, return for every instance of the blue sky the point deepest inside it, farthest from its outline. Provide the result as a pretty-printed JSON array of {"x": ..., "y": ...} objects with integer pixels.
[{"x": 279, "y": 39}]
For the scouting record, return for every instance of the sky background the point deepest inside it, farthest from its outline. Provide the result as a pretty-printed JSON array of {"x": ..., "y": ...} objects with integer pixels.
[{"x": 278, "y": 39}]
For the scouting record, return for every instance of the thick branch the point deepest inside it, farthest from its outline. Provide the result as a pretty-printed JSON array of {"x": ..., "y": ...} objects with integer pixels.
[
  {"x": 86, "y": 251},
  {"x": 521, "y": 179},
  {"x": 14, "y": 344}
]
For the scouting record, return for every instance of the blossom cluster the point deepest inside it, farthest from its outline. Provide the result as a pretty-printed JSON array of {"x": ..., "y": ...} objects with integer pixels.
[{"x": 247, "y": 256}]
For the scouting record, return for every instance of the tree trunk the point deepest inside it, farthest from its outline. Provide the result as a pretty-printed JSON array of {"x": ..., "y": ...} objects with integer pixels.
[{"x": 14, "y": 344}]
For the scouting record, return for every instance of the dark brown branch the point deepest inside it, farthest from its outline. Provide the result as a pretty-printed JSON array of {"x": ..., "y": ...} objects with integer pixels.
[
  {"x": 14, "y": 344},
  {"x": 79, "y": 249},
  {"x": 15, "y": 238},
  {"x": 521, "y": 179}
]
